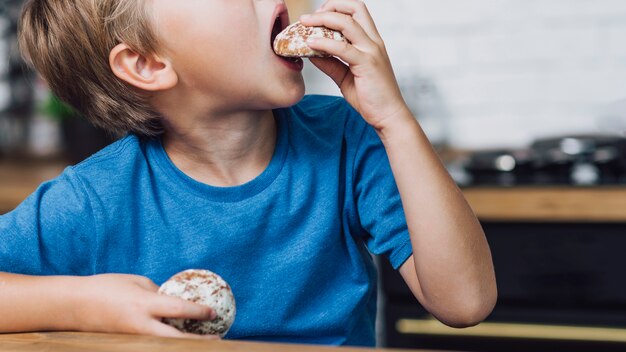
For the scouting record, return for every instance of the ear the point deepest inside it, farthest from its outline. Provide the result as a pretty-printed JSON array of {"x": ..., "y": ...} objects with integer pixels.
[{"x": 148, "y": 73}]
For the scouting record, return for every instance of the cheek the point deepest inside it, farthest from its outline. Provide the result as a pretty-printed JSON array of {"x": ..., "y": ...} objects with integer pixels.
[
  {"x": 214, "y": 49},
  {"x": 187, "y": 25}
]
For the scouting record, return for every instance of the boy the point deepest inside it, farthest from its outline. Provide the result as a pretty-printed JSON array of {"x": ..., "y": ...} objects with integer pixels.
[{"x": 220, "y": 170}]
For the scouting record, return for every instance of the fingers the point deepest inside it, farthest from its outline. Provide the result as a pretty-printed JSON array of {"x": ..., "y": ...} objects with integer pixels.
[
  {"x": 356, "y": 9},
  {"x": 146, "y": 283},
  {"x": 344, "y": 24},
  {"x": 352, "y": 19},
  {"x": 342, "y": 50},
  {"x": 138, "y": 280},
  {"x": 332, "y": 67},
  {"x": 164, "y": 306}
]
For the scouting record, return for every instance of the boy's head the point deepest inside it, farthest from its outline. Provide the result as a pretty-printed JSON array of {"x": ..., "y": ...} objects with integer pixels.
[
  {"x": 127, "y": 64},
  {"x": 68, "y": 42}
]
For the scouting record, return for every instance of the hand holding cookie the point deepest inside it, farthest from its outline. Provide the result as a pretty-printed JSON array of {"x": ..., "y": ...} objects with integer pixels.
[
  {"x": 130, "y": 304},
  {"x": 363, "y": 73}
]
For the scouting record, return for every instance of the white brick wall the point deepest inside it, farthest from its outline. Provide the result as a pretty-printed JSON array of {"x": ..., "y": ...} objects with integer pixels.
[{"x": 500, "y": 73}]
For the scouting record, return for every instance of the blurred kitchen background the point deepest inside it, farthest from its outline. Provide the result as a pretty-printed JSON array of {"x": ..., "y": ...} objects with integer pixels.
[
  {"x": 525, "y": 100},
  {"x": 501, "y": 73}
]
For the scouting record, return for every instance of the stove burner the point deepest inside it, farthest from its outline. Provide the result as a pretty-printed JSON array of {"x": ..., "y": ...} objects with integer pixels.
[{"x": 572, "y": 160}]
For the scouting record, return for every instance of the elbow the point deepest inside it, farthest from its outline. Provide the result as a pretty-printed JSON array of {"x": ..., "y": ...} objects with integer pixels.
[
  {"x": 469, "y": 317},
  {"x": 471, "y": 312}
]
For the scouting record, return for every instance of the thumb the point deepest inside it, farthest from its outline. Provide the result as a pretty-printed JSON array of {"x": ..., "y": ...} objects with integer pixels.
[{"x": 333, "y": 67}]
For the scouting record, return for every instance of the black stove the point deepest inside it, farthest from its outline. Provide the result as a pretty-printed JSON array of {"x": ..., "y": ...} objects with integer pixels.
[{"x": 584, "y": 160}]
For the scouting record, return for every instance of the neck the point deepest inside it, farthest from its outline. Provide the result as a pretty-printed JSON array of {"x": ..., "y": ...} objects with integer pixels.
[{"x": 221, "y": 149}]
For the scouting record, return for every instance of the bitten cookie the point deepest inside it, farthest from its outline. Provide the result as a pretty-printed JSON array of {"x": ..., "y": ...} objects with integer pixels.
[
  {"x": 291, "y": 42},
  {"x": 206, "y": 288}
]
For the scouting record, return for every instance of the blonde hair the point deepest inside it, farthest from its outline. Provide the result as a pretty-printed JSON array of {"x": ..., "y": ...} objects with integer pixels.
[{"x": 68, "y": 42}]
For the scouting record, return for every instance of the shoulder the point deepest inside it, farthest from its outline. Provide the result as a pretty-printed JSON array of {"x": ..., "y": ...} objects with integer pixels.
[
  {"x": 111, "y": 168},
  {"x": 112, "y": 158}
]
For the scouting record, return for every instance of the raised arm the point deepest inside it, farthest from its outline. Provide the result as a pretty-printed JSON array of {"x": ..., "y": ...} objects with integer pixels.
[{"x": 451, "y": 271}]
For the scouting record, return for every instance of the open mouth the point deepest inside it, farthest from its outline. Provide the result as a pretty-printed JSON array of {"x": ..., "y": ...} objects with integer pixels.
[
  {"x": 278, "y": 27},
  {"x": 280, "y": 23}
]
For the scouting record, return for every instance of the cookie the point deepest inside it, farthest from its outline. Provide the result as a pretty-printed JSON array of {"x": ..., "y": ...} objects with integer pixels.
[
  {"x": 206, "y": 288},
  {"x": 291, "y": 42}
]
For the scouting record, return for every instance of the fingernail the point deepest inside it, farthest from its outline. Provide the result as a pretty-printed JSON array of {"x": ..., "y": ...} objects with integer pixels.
[
  {"x": 213, "y": 315},
  {"x": 311, "y": 40},
  {"x": 305, "y": 17}
]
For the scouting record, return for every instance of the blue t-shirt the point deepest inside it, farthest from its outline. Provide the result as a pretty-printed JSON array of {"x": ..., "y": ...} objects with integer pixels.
[{"x": 294, "y": 243}]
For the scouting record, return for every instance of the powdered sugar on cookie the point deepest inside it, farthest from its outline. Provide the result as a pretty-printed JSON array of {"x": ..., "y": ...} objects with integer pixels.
[
  {"x": 206, "y": 288},
  {"x": 291, "y": 42}
]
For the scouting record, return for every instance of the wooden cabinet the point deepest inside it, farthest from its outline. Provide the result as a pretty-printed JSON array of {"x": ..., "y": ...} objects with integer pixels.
[
  {"x": 549, "y": 204},
  {"x": 18, "y": 179},
  {"x": 558, "y": 257}
]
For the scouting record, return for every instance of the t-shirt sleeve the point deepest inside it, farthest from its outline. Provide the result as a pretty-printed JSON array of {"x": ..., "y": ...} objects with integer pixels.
[
  {"x": 50, "y": 233},
  {"x": 378, "y": 201}
]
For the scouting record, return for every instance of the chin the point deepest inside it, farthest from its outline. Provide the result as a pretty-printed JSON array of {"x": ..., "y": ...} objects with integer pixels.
[{"x": 290, "y": 95}]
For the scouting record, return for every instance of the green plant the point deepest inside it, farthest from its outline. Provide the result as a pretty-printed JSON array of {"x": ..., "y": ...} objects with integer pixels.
[{"x": 57, "y": 109}]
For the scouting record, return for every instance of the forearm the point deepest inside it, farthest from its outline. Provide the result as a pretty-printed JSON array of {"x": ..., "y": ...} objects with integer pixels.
[
  {"x": 452, "y": 258},
  {"x": 37, "y": 303}
]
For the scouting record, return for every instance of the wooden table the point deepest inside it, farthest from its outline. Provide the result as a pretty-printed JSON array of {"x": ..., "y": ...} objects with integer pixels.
[{"x": 80, "y": 342}]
